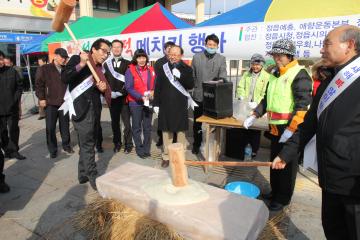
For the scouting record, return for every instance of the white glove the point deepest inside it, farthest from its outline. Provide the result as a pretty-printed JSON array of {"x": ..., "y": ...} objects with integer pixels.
[
  {"x": 156, "y": 110},
  {"x": 285, "y": 136},
  {"x": 249, "y": 121},
  {"x": 115, "y": 94},
  {"x": 176, "y": 73},
  {"x": 253, "y": 105},
  {"x": 147, "y": 94}
]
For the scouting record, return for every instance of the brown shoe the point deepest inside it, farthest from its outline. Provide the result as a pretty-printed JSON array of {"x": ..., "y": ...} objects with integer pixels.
[{"x": 165, "y": 163}]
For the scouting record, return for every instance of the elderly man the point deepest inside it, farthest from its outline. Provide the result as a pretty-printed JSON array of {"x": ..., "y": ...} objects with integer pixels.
[
  {"x": 50, "y": 91},
  {"x": 158, "y": 68},
  {"x": 332, "y": 125},
  {"x": 171, "y": 99}
]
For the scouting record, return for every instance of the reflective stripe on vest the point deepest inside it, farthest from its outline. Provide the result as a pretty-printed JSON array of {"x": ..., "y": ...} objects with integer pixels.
[
  {"x": 279, "y": 116},
  {"x": 139, "y": 85},
  {"x": 280, "y": 99}
]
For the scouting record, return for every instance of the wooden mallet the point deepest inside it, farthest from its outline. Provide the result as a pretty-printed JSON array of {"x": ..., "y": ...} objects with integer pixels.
[
  {"x": 62, "y": 16},
  {"x": 178, "y": 164}
]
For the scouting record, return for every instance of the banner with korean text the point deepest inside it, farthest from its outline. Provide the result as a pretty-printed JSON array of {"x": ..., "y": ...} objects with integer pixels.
[{"x": 237, "y": 41}]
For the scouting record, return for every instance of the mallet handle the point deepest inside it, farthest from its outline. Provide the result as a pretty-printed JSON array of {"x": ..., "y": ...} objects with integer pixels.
[
  {"x": 93, "y": 72},
  {"x": 229, "y": 164}
]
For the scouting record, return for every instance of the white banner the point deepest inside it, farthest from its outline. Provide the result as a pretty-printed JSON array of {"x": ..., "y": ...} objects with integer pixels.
[{"x": 237, "y": 41}]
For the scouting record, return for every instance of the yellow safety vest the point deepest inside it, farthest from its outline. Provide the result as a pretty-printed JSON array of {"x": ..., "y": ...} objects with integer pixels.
[
  {"x": 243, "y": 88},
  {"x": 280, "y": 99}
]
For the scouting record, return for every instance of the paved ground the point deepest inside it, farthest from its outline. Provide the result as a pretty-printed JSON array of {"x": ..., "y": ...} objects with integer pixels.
[{"x": 45, "y": 193}]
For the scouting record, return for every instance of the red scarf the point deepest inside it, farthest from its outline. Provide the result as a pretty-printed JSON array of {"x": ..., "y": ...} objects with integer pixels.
[{"x": 100, "y": 74}]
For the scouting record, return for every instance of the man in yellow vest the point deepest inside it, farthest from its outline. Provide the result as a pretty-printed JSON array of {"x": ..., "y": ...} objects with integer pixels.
[
  {"x": 251, "y": 89},
  {"x": 286, "y": 101}
]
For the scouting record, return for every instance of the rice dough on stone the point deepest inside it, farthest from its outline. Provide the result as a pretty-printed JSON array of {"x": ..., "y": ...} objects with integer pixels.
[{"x": 165, "y": 192}]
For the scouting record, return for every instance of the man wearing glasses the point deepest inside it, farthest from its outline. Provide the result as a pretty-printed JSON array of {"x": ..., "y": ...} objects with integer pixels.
[{"x": 82, "y": 100}]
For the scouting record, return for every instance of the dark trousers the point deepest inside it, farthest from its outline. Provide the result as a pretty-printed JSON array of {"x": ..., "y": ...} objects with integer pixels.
[
  {"x": 249, "y": 136},
  {"x": 52, "y": 116},
  {"x": 10, "y": 132},
  {"x": 340, "y": 216},
  {"x": 98, "y": 130},
  {"x": 85, "y": 129},
  {"x": 282, "y": 181},
  {"x": 197, "y": 132},
  {"x": 141, "y": 125},
  {"x": 2, "y": 176},
  {"x": 120, "y": 108}
]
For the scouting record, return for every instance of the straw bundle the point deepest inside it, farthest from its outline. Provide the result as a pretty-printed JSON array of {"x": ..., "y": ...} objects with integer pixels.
[
  {"x": 106, "y": 219},
  {"x": 273, "y": 228}
]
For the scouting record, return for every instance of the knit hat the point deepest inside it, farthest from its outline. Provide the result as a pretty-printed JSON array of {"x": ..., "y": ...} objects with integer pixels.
[
  {"x": 257, "y": 58},
  {"x": 283, "y": 46}
]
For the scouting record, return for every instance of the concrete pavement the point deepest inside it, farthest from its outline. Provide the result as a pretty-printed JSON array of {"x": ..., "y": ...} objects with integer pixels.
[{"x": 45, "y": 193}]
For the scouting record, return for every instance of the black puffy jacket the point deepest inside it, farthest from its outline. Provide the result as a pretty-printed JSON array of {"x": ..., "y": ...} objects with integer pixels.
[{"x": 10, "y": 90}]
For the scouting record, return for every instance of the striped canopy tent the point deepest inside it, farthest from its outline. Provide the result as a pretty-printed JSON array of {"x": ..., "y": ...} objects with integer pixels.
[
  {"x": 152, "y": 18},
  {"x": 278, "y": 10}
]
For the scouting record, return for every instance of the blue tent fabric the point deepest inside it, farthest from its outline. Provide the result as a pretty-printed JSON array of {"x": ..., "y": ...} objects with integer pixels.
[
  {"x": 253, "y": 11},
  {"x": 179, "y": 23}
]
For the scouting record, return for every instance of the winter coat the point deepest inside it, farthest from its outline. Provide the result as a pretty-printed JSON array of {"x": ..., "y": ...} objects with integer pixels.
[
  {"x": 338, "y": 139},
  {"x": 48, "y": 85},
  {"x": 173, "y": 105},
  {"x": 10, "y": 90},
  {"x": 205, "y": 68}
]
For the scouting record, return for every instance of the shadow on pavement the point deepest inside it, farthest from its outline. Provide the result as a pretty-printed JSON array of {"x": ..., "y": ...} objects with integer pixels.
[
  {"x": 56, "y": 222},
  {"x": 25, "y": 177}
]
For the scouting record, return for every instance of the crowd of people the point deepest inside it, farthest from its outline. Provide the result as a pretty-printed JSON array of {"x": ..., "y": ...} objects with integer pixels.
[{"x": 298, "y": 107}]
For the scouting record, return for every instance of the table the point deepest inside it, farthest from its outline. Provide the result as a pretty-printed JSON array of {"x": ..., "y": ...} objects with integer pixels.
[{"x": 212, "y": 124}]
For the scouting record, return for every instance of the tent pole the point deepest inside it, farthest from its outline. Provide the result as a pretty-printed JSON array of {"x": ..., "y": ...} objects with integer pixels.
[
  {"x": 237, "y": 76},
  {"x": 29, "y": 74}
]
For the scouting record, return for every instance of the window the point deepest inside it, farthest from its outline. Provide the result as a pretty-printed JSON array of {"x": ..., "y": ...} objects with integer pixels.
[
  {"x": 109, "y": 5},
  {"x": 132, "y": 5},
  {"x": 150, "y": 2}
]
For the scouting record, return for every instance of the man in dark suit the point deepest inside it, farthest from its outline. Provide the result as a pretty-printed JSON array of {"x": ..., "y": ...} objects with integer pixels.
[
  {"x": 116, "y": 67},
  {"x": 84, "y": 103}
]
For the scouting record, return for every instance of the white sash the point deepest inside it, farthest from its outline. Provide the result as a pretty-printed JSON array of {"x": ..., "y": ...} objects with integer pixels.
[
  {"x": 115, "y": 74},
  {"x": 178, "y": 86},
  {"x": 338, "y": 84},
  {"x": 69, "y": 98}
]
